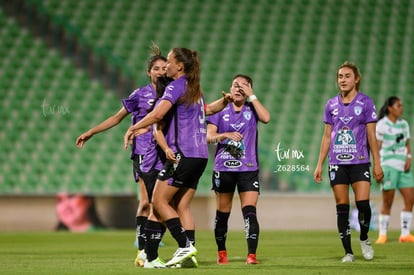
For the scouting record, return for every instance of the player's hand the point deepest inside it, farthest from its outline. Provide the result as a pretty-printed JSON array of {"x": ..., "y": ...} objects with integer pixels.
[
  {"x": 128, "y": 137},
  {"x": 317, "y": 175},
  {"x": 407, "y": 165},
  {"x": 378, "y": 173},
  {"x": 227, "y": 97},
  {"x": 132, "y": 133},
  {"x": 169, "y": 154},
  {"x": 83, "y": 138},
  {"x": 236, "y": 136}
]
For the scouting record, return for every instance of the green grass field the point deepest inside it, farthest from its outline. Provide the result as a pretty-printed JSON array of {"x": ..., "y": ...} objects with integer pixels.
[{"x": 279, "y": 252}]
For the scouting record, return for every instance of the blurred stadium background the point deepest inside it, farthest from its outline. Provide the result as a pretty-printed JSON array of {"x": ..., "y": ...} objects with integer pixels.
[{"x": 66, "y": 64}]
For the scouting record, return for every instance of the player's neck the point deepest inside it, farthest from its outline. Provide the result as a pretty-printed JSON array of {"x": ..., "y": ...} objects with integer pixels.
[
  {"x": 348, "y": 96},
  {"x": 393, "y": 119}
]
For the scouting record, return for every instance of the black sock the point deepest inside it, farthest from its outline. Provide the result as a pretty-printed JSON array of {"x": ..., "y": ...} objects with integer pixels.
[
  {"x": 251, "y": 227},
  {"x": 140, "y": 226},
  {"x": 154, "y": 232},
  {"x": 191, "y": 236},
  {"x": 364, "y": 218},
  {"x": 220, "y": 229},
  {"x": 342, "y": 218},
  {"x": 177, "y": 231}
]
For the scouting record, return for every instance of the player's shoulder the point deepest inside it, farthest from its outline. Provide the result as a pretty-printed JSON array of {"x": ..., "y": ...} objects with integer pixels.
[
  {"x": 382, "y": 122},
  {"x": 332, "y": 102},
  {"x": 362, "y": 98}
]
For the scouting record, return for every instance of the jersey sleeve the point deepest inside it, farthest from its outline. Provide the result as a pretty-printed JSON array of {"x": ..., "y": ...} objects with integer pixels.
[
  {"x": 380, "y": 130},
  {"x": 327, "y": 117},
  {"x": 213, "y": 119},
  {"x": 370, "y": 111},
  {"x": 131, "y": 103},
  {"x": 408, "y": 129}
]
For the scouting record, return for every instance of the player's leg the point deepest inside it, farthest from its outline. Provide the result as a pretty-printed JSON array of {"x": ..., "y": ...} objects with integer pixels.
[
  {"x": 249, "y": 188},
  {"x": 154, "y": 229},
  {"x": 182, "y": 202},
  {"x": 407, "y": 192},
  {"x": 224, "y": 186},
  {"x": 341, "y": 194},
  {"x": 224, "y": 203},
  {"x": 362, "y": 193},
  {"x": 384, "y": 217}
]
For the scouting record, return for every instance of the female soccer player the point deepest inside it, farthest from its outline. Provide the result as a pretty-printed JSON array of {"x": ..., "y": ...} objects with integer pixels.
[
  {"x": 393, "y": 134},
  {"x": 349, "y": 136},
  {"x": 186, "y": 139},
  {"x": 138, "y": 104},
  {"x": 234, "y": 130}
]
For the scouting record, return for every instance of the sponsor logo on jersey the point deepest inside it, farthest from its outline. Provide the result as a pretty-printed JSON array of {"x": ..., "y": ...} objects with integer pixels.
[
  {"x": 232, "y": 163},
  {"x": 150, "y": 102},
  {"x": 345, "y": 157},
  {"x": 345, "y": 136},
  {"x": 237, "y": 126},
  {"x": 346, "y": 119}
]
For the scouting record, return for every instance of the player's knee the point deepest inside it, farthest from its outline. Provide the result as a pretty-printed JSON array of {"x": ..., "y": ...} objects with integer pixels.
[{"x": 363, "y": 206}]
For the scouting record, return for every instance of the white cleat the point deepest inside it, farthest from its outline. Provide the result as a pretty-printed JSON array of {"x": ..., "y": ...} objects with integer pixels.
[
  {"x": 182, "y": 254},
  {"x": 348, "y": 258},
  {"x": 157, "y": 263},
  {"x": 367, "y": 250}
]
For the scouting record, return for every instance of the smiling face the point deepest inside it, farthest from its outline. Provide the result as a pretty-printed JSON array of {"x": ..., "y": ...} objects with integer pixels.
[
  {"x": 346, "y": 80},
  {"x": 158, "y": 69},
  {"x": 72, "y": 210}
]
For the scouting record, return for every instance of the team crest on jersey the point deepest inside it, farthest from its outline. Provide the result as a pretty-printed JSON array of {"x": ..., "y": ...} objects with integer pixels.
[
  {"x": 247, "y": 115},
  {"x": 357, "y": 110},
  {"x": 217, "y": 182},
  {"x": 344, "y": 137}
]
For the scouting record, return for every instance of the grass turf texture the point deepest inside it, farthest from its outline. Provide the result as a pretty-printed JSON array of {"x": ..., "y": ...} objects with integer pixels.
[{"x": 279, "y": 252}]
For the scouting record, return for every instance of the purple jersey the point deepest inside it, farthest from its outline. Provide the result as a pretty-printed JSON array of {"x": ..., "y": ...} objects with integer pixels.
[
  {"x": 152, "y": 157},
  {"x": 349, "y": 142},
  {"x": 236, "y": 156},
  {"x": 186, "y": 133},
  {"x": 138, "y": 104}
]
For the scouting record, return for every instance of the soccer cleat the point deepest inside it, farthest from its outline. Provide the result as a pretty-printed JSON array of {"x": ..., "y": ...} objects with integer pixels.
[
  {"x": 348, "y": 258},
  {"x": 189, "y": 262},
  {"x": 181, "y": 254},
  {"x": 140, "y": 259},
  {"x": 406, "y": 239},
  {"x": 251, "y": 259},
  {"x": 381, "y": 239},
  {"x": 157, "y": 263},
  {"x": 222, "y": 257},
  {"x": 367, "y": 250}
]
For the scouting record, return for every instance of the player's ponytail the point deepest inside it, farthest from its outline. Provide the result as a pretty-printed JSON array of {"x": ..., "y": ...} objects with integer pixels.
[
  {"x": 191, "y": 62},
  {"x": 388, "y": 103}
]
